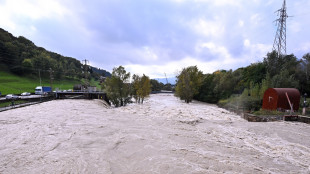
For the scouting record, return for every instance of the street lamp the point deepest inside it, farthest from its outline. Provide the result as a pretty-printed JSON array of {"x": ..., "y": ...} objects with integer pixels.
[{"x": 305, "y": 101}]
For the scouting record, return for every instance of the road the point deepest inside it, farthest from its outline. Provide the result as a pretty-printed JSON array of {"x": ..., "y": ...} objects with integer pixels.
[{"x": 22, "y": 97}]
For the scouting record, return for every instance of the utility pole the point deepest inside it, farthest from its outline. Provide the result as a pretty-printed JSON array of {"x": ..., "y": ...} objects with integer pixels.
[
  {"x": 85, "y": 72},
  {"x": 85, "y": 61},
  {"x": 279, "y": 44},
  {"x": 166, "y": 78},
  {"x": 40, "y": 76},
  {"x": 51, "y": 77}
]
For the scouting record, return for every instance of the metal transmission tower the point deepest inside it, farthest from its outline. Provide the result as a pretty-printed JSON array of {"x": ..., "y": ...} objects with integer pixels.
[
  {"x": 279, "y": 44},
  {"x": 85, "y": 67},
  {"x": 166, "y": 78}
]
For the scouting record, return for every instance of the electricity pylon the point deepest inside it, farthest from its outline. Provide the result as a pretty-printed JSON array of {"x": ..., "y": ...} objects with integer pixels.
[
  {"x": 166, "y": 78},
  {"x": 279, "y": 44},
  {"x": 85, "y": 66}
]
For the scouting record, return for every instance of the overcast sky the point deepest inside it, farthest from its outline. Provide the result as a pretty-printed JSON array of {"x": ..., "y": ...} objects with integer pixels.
[{"x": 158, "y": 36}]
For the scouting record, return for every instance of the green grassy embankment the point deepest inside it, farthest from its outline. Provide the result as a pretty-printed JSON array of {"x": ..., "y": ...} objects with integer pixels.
[
  {"x": 5, "y": 104},
  {"x": 95, "y": 83},
  {"x": 13, "y": 84}
]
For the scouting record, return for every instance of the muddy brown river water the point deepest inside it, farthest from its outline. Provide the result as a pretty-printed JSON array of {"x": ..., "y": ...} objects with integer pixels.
[{"x": 164, "y": 135}]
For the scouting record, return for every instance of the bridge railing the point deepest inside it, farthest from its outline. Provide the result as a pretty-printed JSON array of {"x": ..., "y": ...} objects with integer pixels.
[{"x": 79, "y": 91}]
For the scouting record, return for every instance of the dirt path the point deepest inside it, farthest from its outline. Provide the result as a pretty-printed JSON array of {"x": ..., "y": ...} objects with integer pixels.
[{"x": 162, "y": 136}]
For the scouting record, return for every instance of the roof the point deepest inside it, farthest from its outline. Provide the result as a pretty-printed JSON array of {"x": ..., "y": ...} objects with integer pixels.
[{"x": 291, "y": 91}]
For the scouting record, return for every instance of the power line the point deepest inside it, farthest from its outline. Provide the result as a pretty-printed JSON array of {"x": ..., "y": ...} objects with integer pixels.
[{"x": 302, "y": 14}]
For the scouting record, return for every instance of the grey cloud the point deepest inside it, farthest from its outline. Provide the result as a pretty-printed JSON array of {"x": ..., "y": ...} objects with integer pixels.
[{"x": 121, "y": 29}]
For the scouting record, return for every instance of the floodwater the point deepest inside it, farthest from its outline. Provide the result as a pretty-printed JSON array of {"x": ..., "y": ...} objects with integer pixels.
[{"x": 164, "y": 135}]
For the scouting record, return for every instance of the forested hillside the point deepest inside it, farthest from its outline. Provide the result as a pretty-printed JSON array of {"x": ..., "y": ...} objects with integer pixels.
[
  {"x": 22, "y": 57},
  {"x": 246, "y": 86}
]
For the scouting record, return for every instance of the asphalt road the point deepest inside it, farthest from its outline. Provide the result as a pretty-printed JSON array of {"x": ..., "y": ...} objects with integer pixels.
[{"x": 22, "y": 97}]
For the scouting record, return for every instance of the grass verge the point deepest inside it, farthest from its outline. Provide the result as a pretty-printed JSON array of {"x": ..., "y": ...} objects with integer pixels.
[
  {"x": 9, "y": 103},
  {"x": 13, "y": 84}
]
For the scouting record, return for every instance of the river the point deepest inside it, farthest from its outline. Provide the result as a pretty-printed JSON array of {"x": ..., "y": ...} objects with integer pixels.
[{"x": 164, "y": 135}]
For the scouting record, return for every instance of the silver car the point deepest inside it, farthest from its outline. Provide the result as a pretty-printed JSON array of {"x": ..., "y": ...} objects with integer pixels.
[
  {"x": 11, "y": 96},
  {"x": 25, "y": 94}
]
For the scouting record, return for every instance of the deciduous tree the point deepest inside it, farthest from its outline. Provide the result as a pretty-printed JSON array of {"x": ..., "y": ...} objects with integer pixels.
[
  {"x": 142, "y": 87},
  {"x": 188, "y": 83},
  {"x": 117, "y": 87}
]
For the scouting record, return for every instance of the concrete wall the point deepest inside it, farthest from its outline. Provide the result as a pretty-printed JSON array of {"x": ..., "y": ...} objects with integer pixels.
[{"x": 267, "y": 118}]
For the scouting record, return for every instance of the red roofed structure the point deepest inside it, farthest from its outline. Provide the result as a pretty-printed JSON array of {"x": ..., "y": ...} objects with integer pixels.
[{"x": 276, "y": 98}]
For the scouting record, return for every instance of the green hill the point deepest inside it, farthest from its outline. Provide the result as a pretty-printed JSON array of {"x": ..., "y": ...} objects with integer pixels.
[
  {"x": 13, "y": 84},
  {"x": 22, "y": 62}
]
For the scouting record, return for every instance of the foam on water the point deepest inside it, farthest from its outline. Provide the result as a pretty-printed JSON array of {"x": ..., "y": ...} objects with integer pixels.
[{"x": 164, "y": 135}]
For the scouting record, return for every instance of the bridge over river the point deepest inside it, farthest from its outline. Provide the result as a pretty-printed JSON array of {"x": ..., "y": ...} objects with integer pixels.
[{"x": 80, "y": 94}]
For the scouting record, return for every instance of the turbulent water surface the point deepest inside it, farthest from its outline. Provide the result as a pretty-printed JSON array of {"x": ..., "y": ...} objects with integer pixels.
[{"x": 164, "y": 135}]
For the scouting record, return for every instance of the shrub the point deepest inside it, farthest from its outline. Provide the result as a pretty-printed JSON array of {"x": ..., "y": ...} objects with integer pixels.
[
  {"x": 251, "y": 103},
  {"x": 242, "y": 102},
  {"x": 268, "y": 112}
]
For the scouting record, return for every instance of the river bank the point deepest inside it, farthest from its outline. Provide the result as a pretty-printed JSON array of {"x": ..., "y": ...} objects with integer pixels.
[{"x": 164, "y": 135}]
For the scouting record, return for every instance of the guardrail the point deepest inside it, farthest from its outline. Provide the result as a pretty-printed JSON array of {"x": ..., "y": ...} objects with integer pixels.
[{"x": 28, "y": 101}]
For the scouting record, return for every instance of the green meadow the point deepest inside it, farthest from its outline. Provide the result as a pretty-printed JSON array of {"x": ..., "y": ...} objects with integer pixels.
[{"x": 13, "y": 84}]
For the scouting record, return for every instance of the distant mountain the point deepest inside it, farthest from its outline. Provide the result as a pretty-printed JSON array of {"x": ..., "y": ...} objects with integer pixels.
[
  {"x": 171, "y": 80},
  {"x": 101, "y": 72}
]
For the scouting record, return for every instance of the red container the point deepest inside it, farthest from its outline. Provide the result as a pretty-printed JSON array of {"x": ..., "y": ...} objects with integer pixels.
[{"x": 275, "y": 98}]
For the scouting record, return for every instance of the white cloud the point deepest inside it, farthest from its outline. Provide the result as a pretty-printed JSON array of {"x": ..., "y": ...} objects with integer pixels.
[
  {"x": 35, "y": 9},
  {"x": 226, "y": 2},
  {"x": 224, "y": 61},
  {"x": 209, "y": 28},
  {"x": 304, "y": 47},
  {"x": 213, "y": 2},
  {"x": 255, "y": 52},
  {"x": 270, "y": 2},
  {"x": 218, "y": 51},
  {"x": 33, "y": 28},
  {"x": 222, "y": 2},
  {"x": 5, "y": 21},
  {"x": 213, "y": 34},
  {"x": 17, "y": 16},
  {"x": 247, "y": 43},
  {"x": 294, "y": 26},
  {"x": 241, "y": 23},
  {"x": 170, "y": 68},
  {"x": 256, "y": 19},
  {"x": 178, "y": 1},
  {"x": 149, "y": 54}
]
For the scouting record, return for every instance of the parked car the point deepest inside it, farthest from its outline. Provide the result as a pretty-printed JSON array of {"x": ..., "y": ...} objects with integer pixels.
[
  {"x": 25, "y": 94},
  {"x": 11, "y": 96}
]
